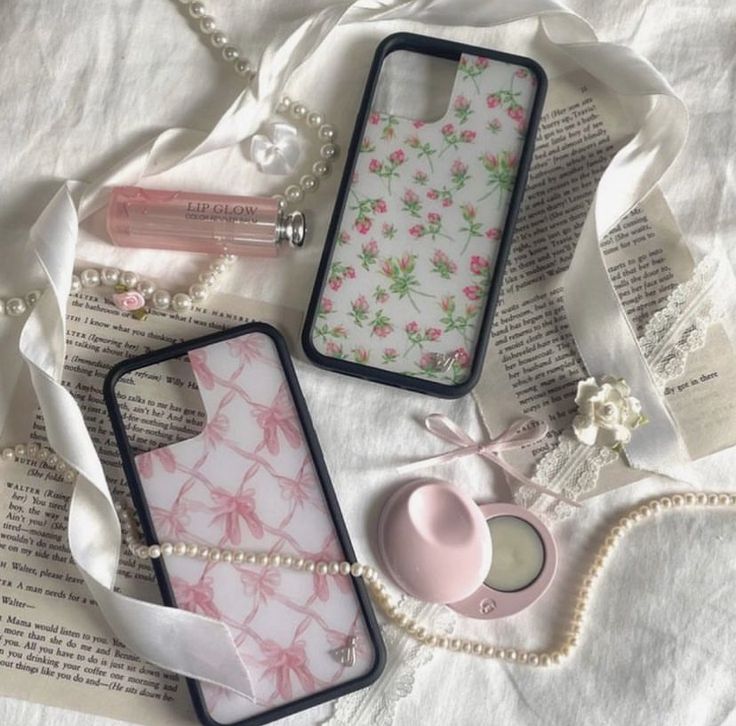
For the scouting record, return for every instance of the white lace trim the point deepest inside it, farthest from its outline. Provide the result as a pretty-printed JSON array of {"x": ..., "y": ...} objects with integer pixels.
[
  {"x": 570, "y": 468},
  {"x": 680, "y": 327},
  {"x": 377, "y": 705},
  {"x": 672, "y": 333}
]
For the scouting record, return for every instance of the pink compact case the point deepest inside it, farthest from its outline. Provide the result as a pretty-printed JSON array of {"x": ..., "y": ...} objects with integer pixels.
[{"x": 484, "y": 561}]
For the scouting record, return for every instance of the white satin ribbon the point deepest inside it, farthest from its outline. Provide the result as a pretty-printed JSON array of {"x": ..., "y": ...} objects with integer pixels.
[
  {"x": 276, "y": 152},
  {"x": 202, "y": 648},
  {"x": 174, "y": 639}
]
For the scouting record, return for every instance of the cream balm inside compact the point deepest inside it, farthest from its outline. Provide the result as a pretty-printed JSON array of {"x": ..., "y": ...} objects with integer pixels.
[{"x": 483, "y": 560}]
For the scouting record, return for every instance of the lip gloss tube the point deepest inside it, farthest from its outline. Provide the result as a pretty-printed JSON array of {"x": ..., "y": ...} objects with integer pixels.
[{"x": 194, "y": 222}]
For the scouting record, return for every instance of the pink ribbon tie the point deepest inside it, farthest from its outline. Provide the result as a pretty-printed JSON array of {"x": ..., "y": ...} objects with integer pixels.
[{"x": 523, "y": 431}]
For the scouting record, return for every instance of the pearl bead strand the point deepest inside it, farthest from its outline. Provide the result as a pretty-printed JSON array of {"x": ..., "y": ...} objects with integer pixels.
[
  {"x": 157, "y": 298},
  {"x": 424, "y": 635},
  {"x": 37, "y": 454},
  {"x": 14, "y": 307},
  {"x": 33, "y": 453},
  {"x": 207, "y": 26}
]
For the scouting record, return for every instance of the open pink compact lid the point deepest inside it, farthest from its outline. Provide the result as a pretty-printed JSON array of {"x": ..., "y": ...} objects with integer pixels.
[{"x": 434, "y": 541}]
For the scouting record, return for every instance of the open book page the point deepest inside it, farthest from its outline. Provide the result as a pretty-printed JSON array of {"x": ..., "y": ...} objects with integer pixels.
[
  {"x": 55, "y": 647},
  {"x": 532, "y": 366}
]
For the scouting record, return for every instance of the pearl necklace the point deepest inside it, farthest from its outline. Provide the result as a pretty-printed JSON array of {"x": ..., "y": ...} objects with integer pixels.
[
  {"x": 377, "y": 589},
  {"x": 183, "y": 301}
]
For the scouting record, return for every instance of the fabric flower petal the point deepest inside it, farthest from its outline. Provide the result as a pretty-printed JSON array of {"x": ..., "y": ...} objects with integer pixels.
[
  {"x": 585, "y": 430},
  {"x": 276, "y": 152},
  {"x": 586, "y": 389}
]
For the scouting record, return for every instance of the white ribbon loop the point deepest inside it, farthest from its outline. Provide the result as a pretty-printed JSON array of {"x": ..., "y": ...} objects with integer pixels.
[{"x": 277, "y": 152}]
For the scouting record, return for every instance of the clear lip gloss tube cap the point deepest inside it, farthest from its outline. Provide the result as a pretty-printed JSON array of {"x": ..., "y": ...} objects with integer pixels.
[{"x": 194, "y": 222}]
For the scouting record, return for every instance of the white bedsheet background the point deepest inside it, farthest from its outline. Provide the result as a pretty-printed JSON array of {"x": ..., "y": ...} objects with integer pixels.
[{"x": 84, "y": 82}]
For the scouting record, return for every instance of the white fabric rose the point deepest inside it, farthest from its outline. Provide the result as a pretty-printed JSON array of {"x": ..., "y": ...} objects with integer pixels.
[{"x": 607, "y": 413}]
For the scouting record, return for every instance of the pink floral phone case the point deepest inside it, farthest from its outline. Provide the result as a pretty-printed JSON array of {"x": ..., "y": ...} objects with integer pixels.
[
  {"x": 254, "y": 480},
  {"x": 420, "y": 232}
]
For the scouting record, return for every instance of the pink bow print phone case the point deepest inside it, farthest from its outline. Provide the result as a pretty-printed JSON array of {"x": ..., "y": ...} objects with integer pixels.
[
  {"x": 424, "y": 218},
  {"x": 254, "y": 479}
]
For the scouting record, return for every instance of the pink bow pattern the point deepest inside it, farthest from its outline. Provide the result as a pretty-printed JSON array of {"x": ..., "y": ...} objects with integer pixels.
[
  {"x": 231, "y": 508},
  {"x": 146, "y": 461},
  {"x": 282, "y": 663},
  {"x": 198, "y": 597},
  {"x": 278, "y": 417}
]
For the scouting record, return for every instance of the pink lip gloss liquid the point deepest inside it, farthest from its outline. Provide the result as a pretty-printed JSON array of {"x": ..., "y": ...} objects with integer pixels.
[{"x": 194, "y": 222}]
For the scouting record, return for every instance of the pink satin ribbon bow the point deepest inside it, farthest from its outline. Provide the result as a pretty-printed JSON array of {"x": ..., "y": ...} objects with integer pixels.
[{"x": 523, "y": 431}]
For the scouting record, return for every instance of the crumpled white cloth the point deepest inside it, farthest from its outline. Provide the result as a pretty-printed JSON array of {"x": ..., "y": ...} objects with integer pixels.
[{"x": 722, "y": 213}]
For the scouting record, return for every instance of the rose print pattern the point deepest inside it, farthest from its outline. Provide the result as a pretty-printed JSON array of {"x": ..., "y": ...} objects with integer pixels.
[
  {"x": 329, "y": 333},
  {"x": 432, "y": 227},
  {"x": 364, "y": 210},
  {"x": 455, "y": 317},
  {"x": 412, "y": 203},
  {"x": 416, "y": 336},
  {"x": 443, "y": 265},
  {"x": 462, "y": 109},
  {"x": 444, "y": 195},
  {"x": 339, "y": 273},
  {"x": 257, "y": 489},
  {"x": 501, "y": 171},
  {"x": 360, "y": 307},
  {"x": 360, "y": 355},
  {"x": 508, "y": 101},
  {"x": 388, "y": 230},
  {"x": 420, "y": 177},
  {"x": 424, "y": 151},
  {"x": 388, "y": 131},
  {"x": 380, "y": 326},
  {"x": 326, "y": 306},
  {"x": 334, "y": 350},
  {"x": 390, "y": 355},
  {"x": 460, "y": 177},
  {"x": 387, "y": 169},
  {"x": 426, "y": 212},
  {"x": 470, "y": 67},
  {"x": 380, "y": 294},
  {"x": 367, "y": 146},
  {"x": 472, "y": 227},
  {"x": 494, "y": 126},
  {"x": 403, "y": 280},
  {"x": 368, "y": 254},
  {"x": 480, "y": 269},
  {"x": 453, "y": 137}
]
